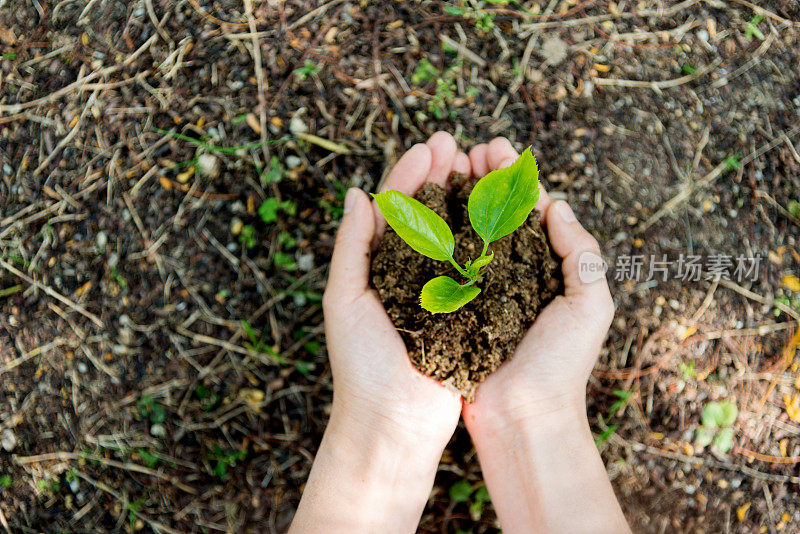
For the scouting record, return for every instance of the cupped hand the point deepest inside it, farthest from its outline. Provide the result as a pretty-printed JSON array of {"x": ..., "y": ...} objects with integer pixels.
[
  {"x": 375, "y": 383},
  {"x": 551, "y": 365}
]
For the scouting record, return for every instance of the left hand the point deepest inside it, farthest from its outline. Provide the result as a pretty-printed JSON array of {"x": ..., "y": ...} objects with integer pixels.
[{"x": 375, "y": 383}]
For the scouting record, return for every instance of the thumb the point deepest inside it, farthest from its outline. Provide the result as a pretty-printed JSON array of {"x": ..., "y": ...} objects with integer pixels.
[
  {"x": 349, "y": 270},
  {"x": 582, "y": 265}
]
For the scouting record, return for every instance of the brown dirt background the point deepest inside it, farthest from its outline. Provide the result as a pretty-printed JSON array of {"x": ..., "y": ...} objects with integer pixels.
[
  {"x": 461, "y": 349},
  {"x": 94, "y": 207}
]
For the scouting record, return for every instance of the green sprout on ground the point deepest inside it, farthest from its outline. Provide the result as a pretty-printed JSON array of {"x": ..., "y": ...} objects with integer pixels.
[
  {"x": 151, "y": 409},
  {"x": 274, "y": 173},
  {"x": 462, "y": 492},
  {"x": 223, "y": 460},
  {"x": 751, "y": 28},
  {"x": 5, "y": 481},
  {"x": 499, "y": 204},
  {"x": 424, "y": 73},
  {"x": 717, "y": 426},
  {"x": 623, "y": 397},
  {"x": 794, "y": 208},
  {"x": 308, "y": 69},
  {"x": 247, "y": 236},
  {"x": 445, "y": 92}
]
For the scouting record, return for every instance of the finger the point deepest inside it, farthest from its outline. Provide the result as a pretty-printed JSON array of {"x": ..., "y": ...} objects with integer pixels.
[
  {"x": 349, "y": 272},
  {"x": 500, "y": 153},
  {"x": 410, "y": 171},
  {"x": 443, "y": 152},
  {"x": 461, "y": 164},
  {"x": 582, "y": 265},
  {"x": 407, "y": 176},
  {"x": 477, "y": 157}
]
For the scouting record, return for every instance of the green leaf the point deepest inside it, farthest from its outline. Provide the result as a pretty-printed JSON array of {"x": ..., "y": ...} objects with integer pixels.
[
  {"x": 719, "y": 414},
  {"x": 268, "y": 211},
  {"x": 444, "y": 295},
  {"x": 417, "y": 225},
  {"x": 479, "y": 500},
  {"x": 723, "y": 441},
  {"x": 703, "y": 437},
  {"x": 473, "y": 268},
  {"x": 455, "y": 10},
  {"x": 460, "y": 491},
  {"x": 502, "y": 200}
]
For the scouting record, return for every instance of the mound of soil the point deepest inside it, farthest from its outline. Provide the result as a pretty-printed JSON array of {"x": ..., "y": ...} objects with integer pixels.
[{"x": 462, "y": 348}]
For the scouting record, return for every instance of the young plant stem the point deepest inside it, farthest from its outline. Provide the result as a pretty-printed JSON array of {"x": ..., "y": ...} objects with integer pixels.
[
  {"x": 485, "y": 248},
  {"x": 460, "y": 269}
]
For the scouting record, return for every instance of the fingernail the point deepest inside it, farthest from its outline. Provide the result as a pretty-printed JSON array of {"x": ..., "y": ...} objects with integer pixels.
[
  {"x": 506, "y": 162},
  {"x": 350, "y": 199},
  {"x": 566, "y": 212}
]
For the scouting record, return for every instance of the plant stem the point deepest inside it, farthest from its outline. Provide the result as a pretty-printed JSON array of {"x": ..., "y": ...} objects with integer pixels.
[
  {"x": 459, "y": 269},
  {"x": 485, "y": 248}
]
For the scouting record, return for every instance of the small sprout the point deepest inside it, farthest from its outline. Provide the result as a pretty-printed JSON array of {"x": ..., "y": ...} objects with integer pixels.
[
  {"x": 688, "y": 69},
  {"x": 794, "y": 208},
  {"x": 5, "y": 481},
  {"x": 751, "y": 28},
  {"x": 247, "y": 236},
  {"x": 274, "y": 173},
  {"x": 499, "y": 204},
  {"x": 732, "y": 162},
  {"x": 308, "y": 69},
  {"x": 460, "y": 491},
  {"x": 224, "y": 460},
  {"x": 716, "y": 426},
  {"x": 151, "y": 409},
  {"x": 149, "y": 459},
  {"x": 424, "y": 73}
]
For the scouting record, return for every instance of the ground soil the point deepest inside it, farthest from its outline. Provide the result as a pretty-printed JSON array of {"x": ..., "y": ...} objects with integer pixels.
[{"x": 463, "y": 348}]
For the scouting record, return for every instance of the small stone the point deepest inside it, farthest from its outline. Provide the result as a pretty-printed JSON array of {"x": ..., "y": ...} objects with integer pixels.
[
  {"x": 102, "y": 240},
  {"x": 208, "y": 165},
  {"x": 554, "y": 50},
  {"x": 410, "y": 100},
  {"x": 82, "y": 368},
  {"x": 74, "y": 485},
  {"x": 8, "y": 440},
  {"x": 236, "y": 226},
  {"x": 296, "y": 126},
  {"x": 158, "y": 431},
  {"x": 579, "y": 157},
  {"x": 293, "y": 161},
  {"x": 306, "y": 261}
]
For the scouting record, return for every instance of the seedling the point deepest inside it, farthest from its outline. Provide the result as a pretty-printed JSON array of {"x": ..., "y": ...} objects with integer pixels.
[
  {"x": 5, "y": 481},
  {"x": 623, "y": 397},
  {"x": 717, "y": 426},
  {"x": 151, "y": 409},
  {"x": 308, "y": 69},
  {"x": 499, "y": 203},
  {"x": 751, "y": 28},
  {"x": 224, "y": 459}
]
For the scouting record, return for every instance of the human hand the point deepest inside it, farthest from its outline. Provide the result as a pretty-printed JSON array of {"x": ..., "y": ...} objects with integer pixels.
[
  {"x": 374, "y": 380},
  {"x": 528, "y": 421},
  {"x": 551, "y": 365},
  {"x": 389, "y": 423}
]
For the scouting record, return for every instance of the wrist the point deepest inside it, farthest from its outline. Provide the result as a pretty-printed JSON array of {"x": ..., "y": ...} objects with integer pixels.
[{"x": 514, "y": 414}]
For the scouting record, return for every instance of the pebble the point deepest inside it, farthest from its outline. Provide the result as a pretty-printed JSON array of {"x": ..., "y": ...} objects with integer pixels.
[
  {"x": 102, "y": 240},
  {"x": 306, "y": 261},
  {"x": 296, "y": 126},
  {"x": 74, "y": 485},
  {"x": 208, "y": 165},
  {"x": 293, "y": 161},
  {"x": 158, "y": 431},
  {"x": 8, "y": 440},
  {"x": 410, "y": 100},
  {"x": 554, "y": 50},
  {"x": 7, "y": 168},
  {"x": 113, "y": 259},
  {"x": 579, "y": 157},
  {"x": 300, "y": 299},
  {"x": 82, "y": 367}
]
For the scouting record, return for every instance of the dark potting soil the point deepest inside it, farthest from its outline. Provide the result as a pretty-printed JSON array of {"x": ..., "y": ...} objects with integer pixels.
[{"x": 463, "y": 348}]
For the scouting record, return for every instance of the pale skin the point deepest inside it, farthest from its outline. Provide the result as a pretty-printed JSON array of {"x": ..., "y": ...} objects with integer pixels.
[{"x": 389, "y": 424}]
